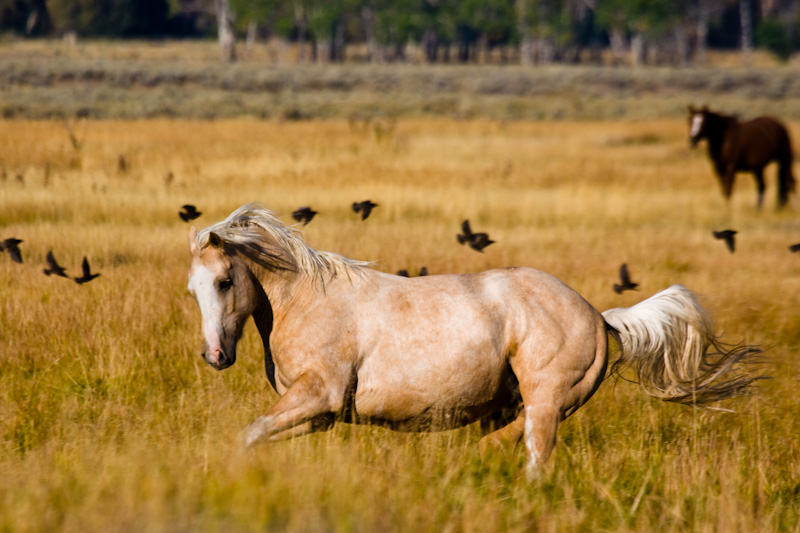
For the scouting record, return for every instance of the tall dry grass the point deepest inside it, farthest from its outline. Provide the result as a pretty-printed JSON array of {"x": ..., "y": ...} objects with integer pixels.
[{"x": 110, "y": 421}]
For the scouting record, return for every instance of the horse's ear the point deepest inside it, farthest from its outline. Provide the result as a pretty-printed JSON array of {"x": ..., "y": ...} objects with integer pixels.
[
  {"x": 193, "y": 240},
  {"x": 215, "y": 240}
]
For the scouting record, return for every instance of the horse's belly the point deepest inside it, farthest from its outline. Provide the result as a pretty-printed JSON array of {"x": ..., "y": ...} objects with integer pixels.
[{"x": 435, "y": 395}]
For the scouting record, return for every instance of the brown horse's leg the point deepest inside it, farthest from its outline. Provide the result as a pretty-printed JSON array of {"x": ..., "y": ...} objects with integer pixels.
[
  {"x": 785, "y": 181},
  {"x": 759, "y": 176},
  {"x": 726, "y": 180},
  {"x": 304, "y": 400}
]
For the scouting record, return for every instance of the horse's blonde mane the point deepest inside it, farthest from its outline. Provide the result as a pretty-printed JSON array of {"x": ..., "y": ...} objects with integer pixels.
[{"x": 255, "y": 231}]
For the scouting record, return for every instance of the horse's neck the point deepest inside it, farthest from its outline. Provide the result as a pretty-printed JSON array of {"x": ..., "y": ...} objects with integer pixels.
[
  {"x": 722, "y": 127},
  {"x": 264, "y": 318}
]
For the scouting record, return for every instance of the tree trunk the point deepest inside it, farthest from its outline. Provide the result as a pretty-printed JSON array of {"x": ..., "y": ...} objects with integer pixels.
[
  {"x": 227, "y": 40},
  {"x": 368, "y": 21},
  {"x": 637, "y": 50},
  {"x": 703, "y": 12},
  {"x": 302, "y": 30},
  {"x": 747, "y": 30},
  {"x": 618, "y": 45},
  {"x": 681, "y": 45},
  {"x": 526, "y": 54}
]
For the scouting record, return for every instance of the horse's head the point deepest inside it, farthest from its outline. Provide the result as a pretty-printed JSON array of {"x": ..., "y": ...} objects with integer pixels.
[
  {"x": 698, "y": 125},
  {"x": 225, "y": 289}
]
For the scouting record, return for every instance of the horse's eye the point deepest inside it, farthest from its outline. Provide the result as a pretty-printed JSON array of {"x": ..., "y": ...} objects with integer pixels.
[{"x": 225, "y": 284}]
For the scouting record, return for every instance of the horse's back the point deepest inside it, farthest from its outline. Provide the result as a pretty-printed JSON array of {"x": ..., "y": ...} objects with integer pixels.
[
  {"x": 761, "y": 140},
  {"x": 448, "y": 342}
]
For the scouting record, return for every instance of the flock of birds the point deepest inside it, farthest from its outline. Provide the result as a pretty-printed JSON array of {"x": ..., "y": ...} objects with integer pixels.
[
  {"x": 476, "y": 240},
  {"x": 11, "y": 245}
]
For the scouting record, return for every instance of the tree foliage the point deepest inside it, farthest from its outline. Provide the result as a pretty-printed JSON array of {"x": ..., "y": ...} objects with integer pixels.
[{"x": 553, "y": 27}]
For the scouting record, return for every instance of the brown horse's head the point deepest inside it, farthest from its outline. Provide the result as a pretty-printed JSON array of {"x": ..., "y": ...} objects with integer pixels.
[
  {"x": 698, "y": 126},
  {"x": 226, "y": 290}
]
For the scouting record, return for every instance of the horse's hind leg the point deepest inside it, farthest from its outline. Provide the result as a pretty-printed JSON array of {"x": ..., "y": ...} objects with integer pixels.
[
  {"x": 785, "y": 182},
  {"x": 554, "y": 382},
  {"x": 760, "y": 187},
  {"x": 503, "y": 439}
]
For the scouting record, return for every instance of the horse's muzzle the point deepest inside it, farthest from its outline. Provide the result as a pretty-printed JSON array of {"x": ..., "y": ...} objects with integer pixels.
[{"x": 218, "y": 358}]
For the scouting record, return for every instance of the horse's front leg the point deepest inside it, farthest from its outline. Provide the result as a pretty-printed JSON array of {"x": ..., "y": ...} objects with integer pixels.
[
  {"x": 300, "y": 410},
  {"x": 726, "y": 180}
]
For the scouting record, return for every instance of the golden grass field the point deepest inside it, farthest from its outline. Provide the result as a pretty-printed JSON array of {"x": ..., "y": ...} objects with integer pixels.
[{"x": 110, "y": 420}]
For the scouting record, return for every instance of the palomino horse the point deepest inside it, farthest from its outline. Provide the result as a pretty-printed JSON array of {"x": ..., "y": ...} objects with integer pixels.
[
  {"x": 735, "y": 146},
  {"x": 345, "y": 342}
]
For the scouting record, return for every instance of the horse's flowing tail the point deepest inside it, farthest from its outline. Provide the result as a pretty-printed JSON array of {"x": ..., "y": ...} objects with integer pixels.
[{"x": 670, "y": 343}]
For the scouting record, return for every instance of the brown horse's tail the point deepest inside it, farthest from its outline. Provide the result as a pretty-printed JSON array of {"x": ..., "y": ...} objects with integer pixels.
[
  {"x": 786, "y": 181},
  {"x": 669, "y": 342}
]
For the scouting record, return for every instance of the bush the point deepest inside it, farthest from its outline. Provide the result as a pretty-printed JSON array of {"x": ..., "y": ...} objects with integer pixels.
[{"x": 772, "y": 36}]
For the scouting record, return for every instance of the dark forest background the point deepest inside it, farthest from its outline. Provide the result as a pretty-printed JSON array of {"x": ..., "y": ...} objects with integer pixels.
[{"x": 665, "y": 32}]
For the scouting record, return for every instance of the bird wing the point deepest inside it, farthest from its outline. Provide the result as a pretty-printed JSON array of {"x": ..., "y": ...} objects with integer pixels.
[
  {"x": 51, "y": 261},
  {"x": 86, "y": 270},
  {"x": 466, "y": 229},
  {"x": 624, "y": 277}
]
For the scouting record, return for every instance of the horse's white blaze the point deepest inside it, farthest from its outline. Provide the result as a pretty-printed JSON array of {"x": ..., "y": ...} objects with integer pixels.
[
  {"x": 202, "y": 285},
  {"x": 697, "y": 123}
]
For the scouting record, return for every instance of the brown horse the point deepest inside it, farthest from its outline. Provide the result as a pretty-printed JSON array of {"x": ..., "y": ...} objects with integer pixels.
[
  {"x": 344, "y": 342},
  {"x": 750, "y": 146}
]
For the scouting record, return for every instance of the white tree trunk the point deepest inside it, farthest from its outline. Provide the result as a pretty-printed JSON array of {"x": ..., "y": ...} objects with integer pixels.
[
  {"x": 227, "y": 40},
  {"x": 747, "y": 30}
]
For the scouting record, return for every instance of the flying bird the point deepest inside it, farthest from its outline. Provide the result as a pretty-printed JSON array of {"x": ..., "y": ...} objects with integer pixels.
[
  {"x": 625, "y": 278},
  {"x": 11, "y": 245},
  {"x": 303, "y": 214},
  {"x": 795, "y": 247},
  {"x": 728, "y": 236},
  {"x": 476, "y": 241},
  {"x": 87, "y": 274},
  {"x": 365, "y": 208},
  {"x": 189, "y": 212},
  {"x": 53, "y": 268}
]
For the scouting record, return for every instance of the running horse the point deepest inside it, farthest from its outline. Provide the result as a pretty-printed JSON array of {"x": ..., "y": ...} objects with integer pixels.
[
  {"x": 516, "y": 346},
  {"x": 750, "y": 146}
]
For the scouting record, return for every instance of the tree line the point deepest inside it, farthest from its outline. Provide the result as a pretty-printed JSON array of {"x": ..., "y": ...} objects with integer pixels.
[{"x": 457, "y": 31}]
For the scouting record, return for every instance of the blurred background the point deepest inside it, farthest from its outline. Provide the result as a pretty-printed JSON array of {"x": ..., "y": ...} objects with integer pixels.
[{"x": 355, "y": 59}]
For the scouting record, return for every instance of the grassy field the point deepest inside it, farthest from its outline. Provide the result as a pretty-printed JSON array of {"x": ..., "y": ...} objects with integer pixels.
[
  {"x": 45, "y": 80},
  {"x": 110, "y": 420}
]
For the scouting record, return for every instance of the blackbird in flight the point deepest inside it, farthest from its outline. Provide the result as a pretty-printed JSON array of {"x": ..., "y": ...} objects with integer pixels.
[
  {"x": 728, "y": 236},
  {"x": 87, "y": 274},
  {"x": 11, "y": 245},
  {"x": 303, "y": 214},
  {"x": 53, "y": 268},
  {"x": 365, "y": 208},
  {"x": 625, "y": 279},
  {"x": 476, "y": 241},
  {"x": 189, "y": 212}
]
